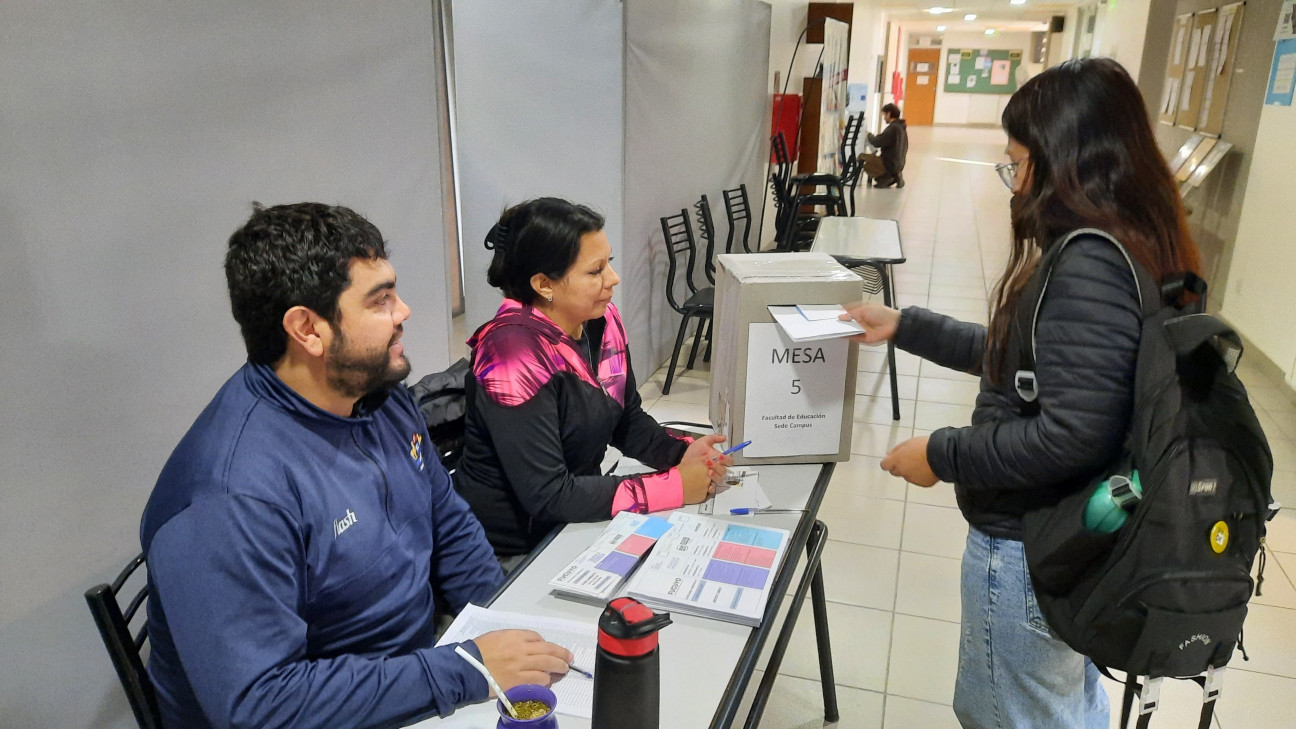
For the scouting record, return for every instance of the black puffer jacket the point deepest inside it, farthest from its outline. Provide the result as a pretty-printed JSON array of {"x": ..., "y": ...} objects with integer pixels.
[{"x": 1007, "y": 463}]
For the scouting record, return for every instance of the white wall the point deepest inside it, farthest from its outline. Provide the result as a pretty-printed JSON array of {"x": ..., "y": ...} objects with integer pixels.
[
  {"x": 1264, "y": 258},
  {"x": 1120, "y": 31},
  {"x": 133, "y": 138},
  {"x": 954, "y": 108}
]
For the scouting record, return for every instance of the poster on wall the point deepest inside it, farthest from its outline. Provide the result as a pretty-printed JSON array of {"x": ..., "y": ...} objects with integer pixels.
[
  {"x": 835, "y": 97},
  {"x": 1286, "y": 21},
  {"x": 1282, "y": 74}
]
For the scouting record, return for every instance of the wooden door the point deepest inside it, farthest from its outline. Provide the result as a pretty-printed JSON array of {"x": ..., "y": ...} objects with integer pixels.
[{"x": 920, "y": 86}]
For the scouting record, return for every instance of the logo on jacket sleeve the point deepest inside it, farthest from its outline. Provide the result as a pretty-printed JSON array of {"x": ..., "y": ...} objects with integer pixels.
[
  {"x": 416, "y": 450},
  {"x": 343, "y": 524}
]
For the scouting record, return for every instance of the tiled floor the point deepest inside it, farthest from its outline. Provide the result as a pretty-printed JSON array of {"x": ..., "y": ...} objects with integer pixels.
[{"x": 891, "y": 568}]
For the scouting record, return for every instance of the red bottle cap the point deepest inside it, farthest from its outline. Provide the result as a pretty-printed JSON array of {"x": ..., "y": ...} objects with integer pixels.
[{"x": 628, "y": 628}]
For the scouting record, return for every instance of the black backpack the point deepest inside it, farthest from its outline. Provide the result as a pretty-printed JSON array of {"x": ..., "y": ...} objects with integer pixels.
[
  {"x": 442, "y": 400},
  {"x": 1166, "y": 594}
]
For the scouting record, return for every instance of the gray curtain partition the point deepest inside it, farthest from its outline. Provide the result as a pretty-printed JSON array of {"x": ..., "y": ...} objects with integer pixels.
[
  {"x": 540, "y": 90},
  {"x": 537, "y": 113},
  {"x": 697, "y": 121},
  {"x": 133, "y": 137}
]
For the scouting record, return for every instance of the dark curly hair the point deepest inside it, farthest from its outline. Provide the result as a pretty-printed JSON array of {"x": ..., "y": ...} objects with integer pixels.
[
  {"x": 537, "y": 236},
  {"x": 293, "y": 255}
]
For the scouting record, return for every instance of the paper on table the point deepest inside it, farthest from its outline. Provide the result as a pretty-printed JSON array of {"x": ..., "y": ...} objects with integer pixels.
[
  {"x": 745, "y": 494},
  {"x": 800, "y": 329},
  {"x": 575, "y": 693}
]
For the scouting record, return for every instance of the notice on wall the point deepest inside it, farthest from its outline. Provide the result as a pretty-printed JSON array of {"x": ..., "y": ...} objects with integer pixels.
[
  {"x": 1282, "y": 74},
  {"x": 999, "y": 73},
  {"x": 1286, "y": 21},
  {"x": 794, "y": 394}
]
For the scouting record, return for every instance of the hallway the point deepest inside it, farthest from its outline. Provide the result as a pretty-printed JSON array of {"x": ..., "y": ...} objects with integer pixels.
[{"x": 892, "y": 563}]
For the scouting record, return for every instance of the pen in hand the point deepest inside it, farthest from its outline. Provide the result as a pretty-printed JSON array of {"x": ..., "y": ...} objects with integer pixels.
[
  {"x": 580, "y": 670},
  {"x": 730, "y": 451}
]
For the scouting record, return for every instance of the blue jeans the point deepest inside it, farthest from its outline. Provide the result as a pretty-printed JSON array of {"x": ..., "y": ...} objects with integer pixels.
[{"x": 1013, "y": 671}]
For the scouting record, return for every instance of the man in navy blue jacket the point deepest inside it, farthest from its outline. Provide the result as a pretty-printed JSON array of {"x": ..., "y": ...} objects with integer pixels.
[{"x": 298, "y": 534}]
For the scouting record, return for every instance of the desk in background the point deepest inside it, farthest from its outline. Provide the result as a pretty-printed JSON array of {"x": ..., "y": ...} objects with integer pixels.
[
  {"x": 706, "y": 665},
  {"x": 869, "y": 247}
]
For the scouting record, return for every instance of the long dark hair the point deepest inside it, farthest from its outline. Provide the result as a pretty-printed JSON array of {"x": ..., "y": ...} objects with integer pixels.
[
  {"x": 1094, "y": 163},
  {"x": 537, "y": 236}
]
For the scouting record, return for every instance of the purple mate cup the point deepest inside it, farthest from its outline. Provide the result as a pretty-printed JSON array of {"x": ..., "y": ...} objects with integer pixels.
[{"x": 529, "y": 692}]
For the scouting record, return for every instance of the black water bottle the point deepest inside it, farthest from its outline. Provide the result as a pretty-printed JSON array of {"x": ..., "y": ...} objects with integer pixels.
[{"x": 627, "y": 668}]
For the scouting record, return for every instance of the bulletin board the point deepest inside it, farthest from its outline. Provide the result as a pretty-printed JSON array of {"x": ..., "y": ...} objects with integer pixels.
[
  {"x": 981, "y": 71},
  {"x": 1219, "y": 70},
  {"x": 1196, "y": 68},
  {"x": 1203, "y": 50},
  {"x": 1174, "y": 69}
]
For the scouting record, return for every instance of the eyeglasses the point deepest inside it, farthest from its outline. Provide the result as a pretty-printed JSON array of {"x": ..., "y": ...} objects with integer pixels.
[{"x": 1007, "y": 172}]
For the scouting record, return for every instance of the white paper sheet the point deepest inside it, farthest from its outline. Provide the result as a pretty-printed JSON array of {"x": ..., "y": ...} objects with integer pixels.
[
  {"x": 800, "y": 329},
  {"x": 574, "y": 692},
  {"x": 741, "y": 490}
]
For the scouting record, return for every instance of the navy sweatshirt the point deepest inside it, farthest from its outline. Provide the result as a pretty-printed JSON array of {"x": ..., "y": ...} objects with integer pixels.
[{"x": 293, "y": 557}]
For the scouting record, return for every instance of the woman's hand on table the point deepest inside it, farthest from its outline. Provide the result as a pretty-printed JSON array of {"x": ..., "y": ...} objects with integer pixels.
[
  {"x": 879, "y": 322},
  {"x": 909, "y": 461},
  {"x": 701, "y": 467}
]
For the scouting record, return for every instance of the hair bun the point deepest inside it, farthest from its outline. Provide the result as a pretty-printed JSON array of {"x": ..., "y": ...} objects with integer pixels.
[{"x": 497, "y": 238}]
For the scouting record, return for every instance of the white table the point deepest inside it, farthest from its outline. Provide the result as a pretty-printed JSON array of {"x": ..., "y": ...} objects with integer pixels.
[
  {"x": 868, "y": 246},
  {"x": 705, "y": 664}
]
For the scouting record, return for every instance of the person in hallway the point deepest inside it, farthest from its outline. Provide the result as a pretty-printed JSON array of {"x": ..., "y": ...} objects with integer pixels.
[
  {"x": 552, "y": 386},
  {"x": 893, "y": 146},
  {"x": 1081, "y": 154},
  {"x": 300, "y": 531}
]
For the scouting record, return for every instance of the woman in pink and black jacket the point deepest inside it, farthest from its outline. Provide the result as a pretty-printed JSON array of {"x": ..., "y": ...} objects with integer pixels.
[{"x": 551, "y": 387}]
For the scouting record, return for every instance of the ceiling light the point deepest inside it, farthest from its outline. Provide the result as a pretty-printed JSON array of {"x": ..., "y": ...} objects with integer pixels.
[
  {"x": 940, "y": 29},
  {"x": 939, "y": 10},
  {"x": 990, "y": 31},
  {"x": 1016, "y": 2},
  {"x": 970, "y": 17}
]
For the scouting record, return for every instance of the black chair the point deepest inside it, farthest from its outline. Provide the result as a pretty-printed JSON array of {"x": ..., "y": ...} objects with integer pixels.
[
  {"x": 706, "y": 230},
  {"x": 792, "y": 227},
  {"x": 834, "y": 199},
  {"x": 738, "y": 208},
  {"x": 677, "y": 234},
  {"x": 114, "y": 628}
]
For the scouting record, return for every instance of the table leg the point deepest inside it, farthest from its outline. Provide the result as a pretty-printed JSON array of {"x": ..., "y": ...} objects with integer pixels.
[
  {"x": 888, "y": 298},
  {"x": 819, "y": 603},
  {"x": 814, "y": 552}
]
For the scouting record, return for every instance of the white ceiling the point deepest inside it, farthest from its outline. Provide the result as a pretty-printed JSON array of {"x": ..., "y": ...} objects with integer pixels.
[{"x": 997, "y": 14}]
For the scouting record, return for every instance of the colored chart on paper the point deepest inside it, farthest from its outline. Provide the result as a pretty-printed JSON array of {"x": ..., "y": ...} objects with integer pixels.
[
  {"x": 601, "y": 569},
  {"x": 712, "y": 568}
]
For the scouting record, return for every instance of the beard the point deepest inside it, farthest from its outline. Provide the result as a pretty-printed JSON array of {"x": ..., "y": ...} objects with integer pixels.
[{"x": 358, "y": 372}]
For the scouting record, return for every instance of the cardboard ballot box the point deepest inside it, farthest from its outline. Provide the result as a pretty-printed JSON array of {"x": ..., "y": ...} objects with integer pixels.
[{"x": 792, "y": 400}]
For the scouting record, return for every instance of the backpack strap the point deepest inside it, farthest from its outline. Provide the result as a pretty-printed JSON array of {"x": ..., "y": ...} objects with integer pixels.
[
  {"x": 1190, "y": 333},
  {"x": 1024, "y": 378}
]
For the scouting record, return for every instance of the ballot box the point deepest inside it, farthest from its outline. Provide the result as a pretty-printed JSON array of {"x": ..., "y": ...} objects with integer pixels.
[{"x": 792, "y": 400}]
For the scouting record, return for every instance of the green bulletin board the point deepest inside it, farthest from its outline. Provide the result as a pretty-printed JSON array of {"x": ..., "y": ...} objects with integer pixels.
[{"x": 981, "y": 71}]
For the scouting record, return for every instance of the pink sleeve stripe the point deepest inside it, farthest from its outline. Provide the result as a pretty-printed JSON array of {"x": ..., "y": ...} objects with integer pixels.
[{"x": 649, "y": 492}]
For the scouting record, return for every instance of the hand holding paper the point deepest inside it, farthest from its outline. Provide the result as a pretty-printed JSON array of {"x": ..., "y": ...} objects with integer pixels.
[{"x": 879, "y": 322}]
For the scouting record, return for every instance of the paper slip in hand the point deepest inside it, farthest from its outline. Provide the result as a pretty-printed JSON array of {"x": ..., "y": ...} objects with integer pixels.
[
  {"x": 575, "y": 693},
  {"x": 821, "y": 312},
  {"x": 745, "y": 494},
  {"x": 800, "y": 329}
]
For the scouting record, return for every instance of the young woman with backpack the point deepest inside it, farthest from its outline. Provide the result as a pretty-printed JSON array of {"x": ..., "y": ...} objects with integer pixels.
[{"x": 1081, "y": 154}]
